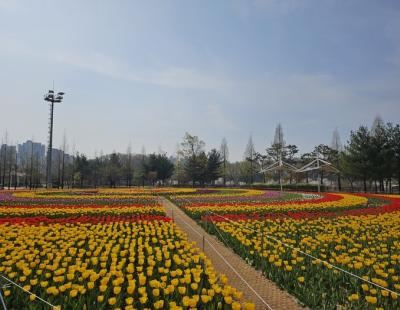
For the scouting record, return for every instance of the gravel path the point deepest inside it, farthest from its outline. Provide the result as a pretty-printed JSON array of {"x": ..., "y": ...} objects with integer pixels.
[{"x": 259, "y": 290}]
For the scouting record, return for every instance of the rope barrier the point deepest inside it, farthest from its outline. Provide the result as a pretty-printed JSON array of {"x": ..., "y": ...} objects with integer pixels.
[
  {"x": 3, "y": 303},
  {"x": 226, "y": 262},
  {"x": 309, "y": 255},
  {"x": 26, "y": 291},
  {"x": 304, "y": 253}
]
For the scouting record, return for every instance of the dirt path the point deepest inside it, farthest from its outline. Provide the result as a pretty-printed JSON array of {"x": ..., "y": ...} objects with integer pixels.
[{"x": 256, "y": 288}]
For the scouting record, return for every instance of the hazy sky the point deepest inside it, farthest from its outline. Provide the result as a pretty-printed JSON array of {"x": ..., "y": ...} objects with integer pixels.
[{"x": 145, "y": 72}]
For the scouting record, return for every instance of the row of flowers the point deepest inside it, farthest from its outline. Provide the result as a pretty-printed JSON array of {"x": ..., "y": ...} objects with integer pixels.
[
  {"x": 98, "y": 255},
  {"x": 357, "y": 233},
  {"x": 367, "y": 246},
  {"x": 102, "y": 266},
  {"x": 82, "y": 210},
  {"x": 330, "y": 202}
]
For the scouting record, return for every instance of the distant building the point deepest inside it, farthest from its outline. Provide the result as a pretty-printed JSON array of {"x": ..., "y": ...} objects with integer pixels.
[
  {"x": 10, "y": 149},
  {"x": 29, "y": 148}
]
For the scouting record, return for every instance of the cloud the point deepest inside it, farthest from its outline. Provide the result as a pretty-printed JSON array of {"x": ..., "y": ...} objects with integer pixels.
[
  {"x": 169, "y": 76},
  {"x": 7, "y": 4},
  {"x": 391, "y": 32},
  {"x": 280, "y": 5},
  {"x": 248, "y": 8},
  {"x": 219, "y": 118},
  {"x": 286, "y": 93},
  {"x": 175, "y": 77}
]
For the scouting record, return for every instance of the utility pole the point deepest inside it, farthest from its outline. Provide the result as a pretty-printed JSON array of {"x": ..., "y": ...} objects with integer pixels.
[{"x": 51, "y": 98}]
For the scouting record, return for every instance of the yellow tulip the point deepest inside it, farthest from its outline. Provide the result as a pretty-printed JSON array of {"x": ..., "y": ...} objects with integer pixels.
[
  {"x": 182, "y": 290},
  {"x": 156, "y": 292},
  {"x": 129, "y": 300},
  {"x": 371, "y": 299},
  {"x": 117, "y": 290},
  {"x": 73, "y": 293},
  {"x": 112, "y": 301}
]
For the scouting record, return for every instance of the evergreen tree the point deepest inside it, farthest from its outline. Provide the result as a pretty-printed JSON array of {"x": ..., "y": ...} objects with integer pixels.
[
  {"x": 214, "y": 163},
  {"x": 358, "y": 153}
]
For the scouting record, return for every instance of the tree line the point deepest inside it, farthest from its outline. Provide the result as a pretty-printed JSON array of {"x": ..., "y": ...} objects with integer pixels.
[{"x": 369, "y": 161}]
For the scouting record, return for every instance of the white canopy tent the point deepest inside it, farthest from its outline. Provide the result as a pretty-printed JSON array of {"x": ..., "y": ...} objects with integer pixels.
[
  {"x": 280, "y": 166},
  {"x": 318, "y": 164}
]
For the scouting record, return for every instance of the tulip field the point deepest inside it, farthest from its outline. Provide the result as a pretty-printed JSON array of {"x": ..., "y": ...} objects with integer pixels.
[
  {"x": 117, "y": 249},
  {"x": 330, "y": 250},
  {"x": 103, "y": 249}
]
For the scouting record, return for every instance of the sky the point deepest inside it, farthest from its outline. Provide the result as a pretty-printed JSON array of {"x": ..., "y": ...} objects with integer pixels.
[{"x": 145, "y": 72}]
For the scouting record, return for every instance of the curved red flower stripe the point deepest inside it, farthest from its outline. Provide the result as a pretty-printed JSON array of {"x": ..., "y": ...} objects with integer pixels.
[
  {"x": 392, "y": 206},
  {"x": 37, "y": 220},
  {"x": 328, "y": 197},
  {"x": 63, "y": 206}
]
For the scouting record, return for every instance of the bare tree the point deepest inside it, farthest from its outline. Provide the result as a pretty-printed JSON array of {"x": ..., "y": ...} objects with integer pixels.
[
  {"x": 143, "y": 165},
  {"x": 4, "y": 160},
  {"x": 129, "y": 166},
  {"x": 31, "y": 166},
  {"x": 250, "y": 156},
  {"x": 278, "y": 138},
  {"x": 63, "y": 150},
  {"x": 16, "y": 167},
  {"x": 336, "y": 142},
  {"x": 224, "y": 151},
  {"x": 337, "y": 147},
  {"x": 72, "y": 181},
  {"x": 377, "y": 123},
  {"x": 10, "y": 164}
]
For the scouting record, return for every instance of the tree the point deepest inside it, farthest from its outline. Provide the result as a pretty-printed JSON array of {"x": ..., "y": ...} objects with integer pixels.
[
  {"x": 165, "y": 167},
  {"x": 201, "y": 168},
  {"x": 250, "y": 157},
  {"x": 159, "y": 167},
  {"x": 277, "y": 149},
  {"x": 128, "y": 168},
  {"x": 291, "y": 151},
  {"x": 95, "y": 165},
  {"x": 142, "y": 172},
  {"x": 82, "y": 169},
  {"x": 63, "y": 150},
  {"x": 394, "y": 141},
  {"x": 261, "y": 160},
  {"x": 305, "y": 158},
  {"x": 113, "y": 169},
  {"x": 379, "y": 154},
  {"x": 191, "y": 145},
  {"x": 4, "y": 149},
  {"x": 324, "y": 152},
  {"x": 357, "y": 154},
  {"x": 224, "y": 151},
  {"x": 214, "y": 163},
  {"x": 179, "y": 170},
  {"x": 192, "y": 151},
  {"x": 336, "y": 149}
]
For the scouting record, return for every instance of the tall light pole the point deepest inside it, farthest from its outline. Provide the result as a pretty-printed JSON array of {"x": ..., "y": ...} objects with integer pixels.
[{"x": 51, "y": 98}]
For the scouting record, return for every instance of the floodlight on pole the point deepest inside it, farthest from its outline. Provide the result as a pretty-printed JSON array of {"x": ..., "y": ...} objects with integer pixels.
[{"x": 51, "y": 98}]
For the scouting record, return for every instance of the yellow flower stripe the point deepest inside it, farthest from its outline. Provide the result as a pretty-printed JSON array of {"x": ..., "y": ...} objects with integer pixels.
[
  {"x": 129, "y": 265},
  {"x": 114, "y": 210},
  {"x": 368, "y": 246},
  {"x": 347, "y": 201}
]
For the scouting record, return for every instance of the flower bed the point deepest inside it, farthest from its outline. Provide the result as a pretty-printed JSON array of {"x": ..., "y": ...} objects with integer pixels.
[
  {"x": 357, "y": 233},
  {"x": 97, "y": 252}
]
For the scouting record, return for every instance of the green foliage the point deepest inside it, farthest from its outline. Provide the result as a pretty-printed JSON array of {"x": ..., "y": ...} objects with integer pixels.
[{"x": 160, "y": 167}]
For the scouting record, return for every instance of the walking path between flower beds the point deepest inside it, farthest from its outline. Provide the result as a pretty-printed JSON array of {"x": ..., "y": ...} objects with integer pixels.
[{"x": 266, "y": 290}]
